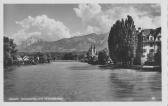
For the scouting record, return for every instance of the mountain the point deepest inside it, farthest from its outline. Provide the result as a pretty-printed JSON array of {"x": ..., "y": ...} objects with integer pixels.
[
  {"x": 79, "y": 43},
  {"x": 29, "y": 41}
]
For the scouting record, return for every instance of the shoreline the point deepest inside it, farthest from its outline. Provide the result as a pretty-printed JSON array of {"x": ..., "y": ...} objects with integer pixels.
[
  {"x": 106, "y": 66},
  {"x": 137, "y": 67}
]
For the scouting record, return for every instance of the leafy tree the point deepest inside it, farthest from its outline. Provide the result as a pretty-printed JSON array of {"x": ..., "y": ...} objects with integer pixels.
[
  {"x": 102, "y": 57},
  {"x": 69, "y": 56},
  {"x": 9, "y": 51},
  {"x": 150, "y": 59},
  {"x": 157, "y": 57},
  {"x": 122, "y": 41}
]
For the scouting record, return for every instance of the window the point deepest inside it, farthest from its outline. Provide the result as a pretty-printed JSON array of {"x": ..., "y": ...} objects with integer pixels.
[{"x": 151, "y": 38}]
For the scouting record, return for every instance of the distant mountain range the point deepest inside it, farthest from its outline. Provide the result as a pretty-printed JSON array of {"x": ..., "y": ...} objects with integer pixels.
[
  {"x": 30, "y": 41},
  {"x": 74, "y": 44}
]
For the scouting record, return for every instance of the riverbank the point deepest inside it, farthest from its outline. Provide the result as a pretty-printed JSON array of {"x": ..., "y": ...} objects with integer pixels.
[
  {"x": 30, "y": 63},
  {"x": 107, "y": 66},
  {"x": 137, "y": 67},
  {"x": 65, "y": 61}
]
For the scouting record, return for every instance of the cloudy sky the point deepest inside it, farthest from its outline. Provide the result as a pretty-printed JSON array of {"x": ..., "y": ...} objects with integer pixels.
[{"x": 52, "y": 22}]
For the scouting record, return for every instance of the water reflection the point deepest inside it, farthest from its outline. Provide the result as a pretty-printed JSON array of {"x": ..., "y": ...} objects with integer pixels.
[
  {"x": 124, "y": 88},
  {"x": 135, "y": 85},
  {"x": 75, "y": 81},
  {"x": 155, "y": 82}
]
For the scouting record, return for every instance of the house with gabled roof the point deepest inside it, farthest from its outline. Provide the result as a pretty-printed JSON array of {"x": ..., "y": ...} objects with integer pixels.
[{"x": 149, "y": 43}]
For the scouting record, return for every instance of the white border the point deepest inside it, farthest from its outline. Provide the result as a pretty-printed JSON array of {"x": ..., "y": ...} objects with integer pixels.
[
  {"x": 81, "y": 1},
  {"x": 164, "y": 22}
]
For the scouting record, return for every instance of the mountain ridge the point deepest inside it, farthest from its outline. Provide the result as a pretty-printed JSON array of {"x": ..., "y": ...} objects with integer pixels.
[{"x": 77, "y": 43}]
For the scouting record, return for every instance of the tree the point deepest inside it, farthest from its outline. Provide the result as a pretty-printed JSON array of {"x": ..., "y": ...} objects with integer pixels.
[
  {"x": 9, "y": 51},
  {"x": 102, "y": 57},
  {"x": 69, "y": 56},
  {"x": 157, "y": 57},
  {"x": 122, "y": 41},
  {"x": 150, "y": 58}
]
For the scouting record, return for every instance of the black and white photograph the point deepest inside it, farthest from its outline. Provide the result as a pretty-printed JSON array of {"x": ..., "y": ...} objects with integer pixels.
[{"x": 82, "y": 52}]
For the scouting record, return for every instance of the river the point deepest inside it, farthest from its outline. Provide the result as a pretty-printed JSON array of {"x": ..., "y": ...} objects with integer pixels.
[{"x": 77, "y": 81}]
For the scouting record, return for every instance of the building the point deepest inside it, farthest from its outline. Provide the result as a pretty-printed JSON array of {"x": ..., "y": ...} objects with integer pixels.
[
  {"x": 149, "y": 43},
  {"x": 92, "y": 51},
  {"x": 92, "y": 55}
]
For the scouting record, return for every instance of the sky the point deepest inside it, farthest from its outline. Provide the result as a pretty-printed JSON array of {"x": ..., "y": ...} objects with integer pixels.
[{"x": 52, "y": 22}]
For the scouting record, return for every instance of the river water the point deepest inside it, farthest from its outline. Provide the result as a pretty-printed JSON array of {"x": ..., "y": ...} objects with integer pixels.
[{"x": 76, "y": 81}]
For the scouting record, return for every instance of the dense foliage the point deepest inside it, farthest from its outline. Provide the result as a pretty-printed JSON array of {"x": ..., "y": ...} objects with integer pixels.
[
  {"x": 102, "y": 57},
  {"x": 158, "y": 57},
  {"x": 9, "y": 51},
  {"x": 56, "y": 55},
  {"x": 122, "y": 41}
]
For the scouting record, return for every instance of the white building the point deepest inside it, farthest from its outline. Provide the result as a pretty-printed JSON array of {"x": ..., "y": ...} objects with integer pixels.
[{"x": 149, "y": 43}]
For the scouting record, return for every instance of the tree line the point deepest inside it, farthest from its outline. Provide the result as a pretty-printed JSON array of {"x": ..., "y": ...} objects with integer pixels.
[{"x": 10, "y": 51}]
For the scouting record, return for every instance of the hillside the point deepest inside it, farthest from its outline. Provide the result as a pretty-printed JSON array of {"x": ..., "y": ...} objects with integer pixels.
[{"x": 79, "y": 43}]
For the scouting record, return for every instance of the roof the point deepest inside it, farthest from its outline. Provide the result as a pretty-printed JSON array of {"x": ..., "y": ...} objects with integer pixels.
[
  {"x": 153, "y": 32},
  {"x": 146, "y": 31}
]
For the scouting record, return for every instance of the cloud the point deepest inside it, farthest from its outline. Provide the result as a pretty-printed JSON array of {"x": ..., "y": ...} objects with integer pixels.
[
  {"x": 141, "y": 18},
  {"x": 97, "y": 20},
  {"x": 92, "y": 17},
  {"x": 43, "y": 27},
  {"x": 21, "y": 35}
]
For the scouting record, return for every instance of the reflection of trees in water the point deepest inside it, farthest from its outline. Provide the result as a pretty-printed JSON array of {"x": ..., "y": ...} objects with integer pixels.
[
  {"x": 10, "y": 75},
  {"x": 9, "y": 71},
  {"x": 136, "y": 86},
  {"x": 155, "y": 86},
  {"x": 123, "y": 88},
  {"x": 155, "y": 82}
]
